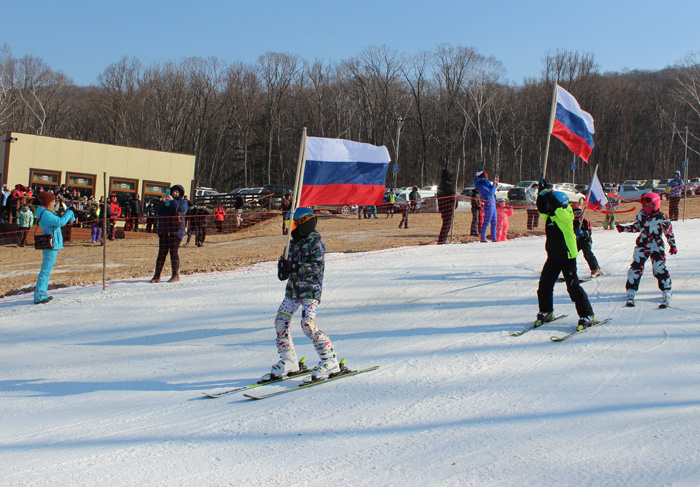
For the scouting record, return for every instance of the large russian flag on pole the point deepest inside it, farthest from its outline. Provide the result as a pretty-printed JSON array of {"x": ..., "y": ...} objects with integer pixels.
[
  {"x": 572, "y": 125},
  {"x": 341, "y": 172}
]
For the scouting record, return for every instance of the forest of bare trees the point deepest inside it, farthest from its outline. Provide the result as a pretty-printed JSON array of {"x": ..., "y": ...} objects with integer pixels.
[{"x": 450, "y": 107}]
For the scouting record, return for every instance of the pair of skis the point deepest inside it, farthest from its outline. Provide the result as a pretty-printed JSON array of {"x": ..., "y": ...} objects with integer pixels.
[
  {"x": 562, "y": 337},
  {"x": 303, "y": 372}
]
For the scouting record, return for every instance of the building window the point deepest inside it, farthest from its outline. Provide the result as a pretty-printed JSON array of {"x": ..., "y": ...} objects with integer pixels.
[
  {"x": 83, "y": 183},
  {"x": 153, "y": 189},
  {"x": 124, "y": 188},
  {"x": 44, "y": 178}
]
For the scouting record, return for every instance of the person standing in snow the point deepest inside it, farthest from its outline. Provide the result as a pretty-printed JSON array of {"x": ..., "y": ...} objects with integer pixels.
[
  {"x": 503, "y": 214},
  {"x": 652, "y": 224},
  {"x": 561, "y": 258},
  {"x": 303, "y": 270},
  {"x": 583, "y": 229},
  {"x": 171, "y": 229},
  {"x": 477, "y": 215},
  {"x": 675, "y": 191},
  {"x": 447, "y": 202},
  {"x": 50, "y": 224},
  {"x": 25, "y": 220},
  {"x": 487, "y": 190}
]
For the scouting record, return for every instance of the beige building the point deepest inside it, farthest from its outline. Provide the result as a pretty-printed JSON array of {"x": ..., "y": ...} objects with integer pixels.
[{"x": 35, "y": 160}]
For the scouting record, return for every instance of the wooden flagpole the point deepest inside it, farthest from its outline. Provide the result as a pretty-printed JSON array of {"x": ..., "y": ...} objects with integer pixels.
[
  {"x": 298, "y": 183},
  {"x": 549, "y": 131}
]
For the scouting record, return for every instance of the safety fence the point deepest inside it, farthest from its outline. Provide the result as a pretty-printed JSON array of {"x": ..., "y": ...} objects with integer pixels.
[{"x": 247, "y": 237}]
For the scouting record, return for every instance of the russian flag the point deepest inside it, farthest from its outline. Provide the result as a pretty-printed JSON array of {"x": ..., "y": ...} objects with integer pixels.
[
  {"x": 572, "y": 125},
  {"x": 596, "y": 195},
  {"x": 340, "y": 172}
]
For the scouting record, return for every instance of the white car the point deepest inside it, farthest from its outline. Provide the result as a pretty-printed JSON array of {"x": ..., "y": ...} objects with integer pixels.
[
  {"x": 573, "y": 195},
  {"x": 630, "y": 192},
  {"x": 502, "y": 191}
]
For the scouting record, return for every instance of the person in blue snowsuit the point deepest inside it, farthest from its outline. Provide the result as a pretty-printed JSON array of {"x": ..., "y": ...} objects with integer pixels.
[
  {"x": 487, "y": 191},
  {"x": 50, "y": 224}
]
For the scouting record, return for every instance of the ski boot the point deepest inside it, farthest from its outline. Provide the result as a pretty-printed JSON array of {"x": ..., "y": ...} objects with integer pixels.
[
  {"x": 543, "y": 318},
  {"x": 630, "y": 298},
  {"x": 286, "y": 366},
  {"x": 585, "y": 322},
  {"x": 596, "y": 273},
  {"x": 665, "y": 299},
  {"x": 325, "y": 368}
]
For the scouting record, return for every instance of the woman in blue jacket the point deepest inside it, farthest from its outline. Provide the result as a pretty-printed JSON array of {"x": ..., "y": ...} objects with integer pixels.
[
  {"x": 50, "y": 224},
  {"x": 487, "y": 191},
  {"x": 171, "y": 228}
]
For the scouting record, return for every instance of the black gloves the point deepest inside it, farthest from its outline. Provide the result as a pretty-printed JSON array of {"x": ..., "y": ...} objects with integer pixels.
[{"x": 285, "y": 268}]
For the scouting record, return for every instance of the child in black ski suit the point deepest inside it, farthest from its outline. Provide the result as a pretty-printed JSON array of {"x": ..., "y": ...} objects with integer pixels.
[
  {"x": 652, "y": 224},
  {"x": 303, "y": 269},
  {"x": 583, "y": 229},
  {"x": 561, "y": 258}
]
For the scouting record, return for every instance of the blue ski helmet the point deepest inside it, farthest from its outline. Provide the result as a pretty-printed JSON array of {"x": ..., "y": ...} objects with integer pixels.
[
  {"x": 561, "y": 198},
  {"x": 303, "y": 223}
]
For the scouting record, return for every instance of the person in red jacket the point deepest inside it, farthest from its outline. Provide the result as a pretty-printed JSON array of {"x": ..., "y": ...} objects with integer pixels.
[
  {"x": 219, "y": 216},
  {"x": 114, "y": 211},
  {"x": 503, "y": 214}
]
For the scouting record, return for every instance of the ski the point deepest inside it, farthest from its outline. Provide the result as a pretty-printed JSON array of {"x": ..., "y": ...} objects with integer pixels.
[
  {"x": 566, "y": 337},
  {"x": 341, "y": 375},
  {"x": 262, "y": 382},
  {"x": 533, "y": 327},
  {"x": 581, "y": 280}
]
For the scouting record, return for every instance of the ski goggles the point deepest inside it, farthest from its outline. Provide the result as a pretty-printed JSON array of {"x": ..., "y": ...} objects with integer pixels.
[{"x": 646, "y": 200}]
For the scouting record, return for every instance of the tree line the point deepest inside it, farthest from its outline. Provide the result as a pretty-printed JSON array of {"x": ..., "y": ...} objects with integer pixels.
[{"x": 449, "y": 107}]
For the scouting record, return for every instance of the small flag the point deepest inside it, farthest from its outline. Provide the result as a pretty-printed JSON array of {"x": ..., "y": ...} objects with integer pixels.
[
  {"x": 597, "y": 198},
  {"x": 340, "y": 172},
  {"x": 572, "y": 125}
]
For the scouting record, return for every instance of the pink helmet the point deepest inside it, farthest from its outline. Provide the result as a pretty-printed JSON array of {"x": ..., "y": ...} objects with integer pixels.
[{"x": 651, "y": 198}]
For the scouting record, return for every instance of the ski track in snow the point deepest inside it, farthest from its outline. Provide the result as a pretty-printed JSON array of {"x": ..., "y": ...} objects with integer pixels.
[{"x": 105, "y": 387}]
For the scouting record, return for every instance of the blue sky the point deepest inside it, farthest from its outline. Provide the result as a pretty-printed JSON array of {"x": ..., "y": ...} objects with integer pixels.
[{"x": 82, "y": 38}]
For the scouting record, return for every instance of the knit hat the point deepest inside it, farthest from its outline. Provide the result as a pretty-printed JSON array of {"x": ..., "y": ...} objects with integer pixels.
[
  {"x": 482, "y": 174},
  {"x": 45, "y": 198}
]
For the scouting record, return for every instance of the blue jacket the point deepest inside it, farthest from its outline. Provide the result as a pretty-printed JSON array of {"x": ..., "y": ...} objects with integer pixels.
[
  {"x": 51, "y": 223},
  {"x": 172, "y": 217},
  {"x": 487, "y": 191}
]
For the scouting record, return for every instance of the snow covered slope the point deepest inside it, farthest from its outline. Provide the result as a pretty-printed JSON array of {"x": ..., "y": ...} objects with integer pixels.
[{"x": 106, "y": 388}]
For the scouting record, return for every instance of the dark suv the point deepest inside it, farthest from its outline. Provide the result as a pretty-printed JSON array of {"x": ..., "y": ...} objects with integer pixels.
[{"x": 517, "y": 192}]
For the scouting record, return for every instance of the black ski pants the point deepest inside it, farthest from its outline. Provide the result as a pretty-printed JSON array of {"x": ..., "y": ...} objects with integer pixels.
[{"x": 550, "y": 272}]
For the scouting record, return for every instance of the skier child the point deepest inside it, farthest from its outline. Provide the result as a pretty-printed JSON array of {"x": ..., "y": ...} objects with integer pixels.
[
  {"x": 303, "y": 270},
  {"x": 503, "y": 213},
  {"x": 611, "y": 205},
  {"x": 582, "y": 229},
  {"x": 561, "y": 258},
  {"x": 652, "y": 224}
]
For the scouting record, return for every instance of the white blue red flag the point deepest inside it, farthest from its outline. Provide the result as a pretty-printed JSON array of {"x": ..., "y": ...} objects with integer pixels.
[
  {"x": 341, "y": 172},
  {"x": 572, "y": 125},
  {"x": 596, "y": 196}
]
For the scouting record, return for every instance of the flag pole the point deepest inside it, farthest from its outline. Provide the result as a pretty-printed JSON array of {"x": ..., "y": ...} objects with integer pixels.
[
  {"x": 298, "y": 183},
  {"x": 552, "y": 115}
]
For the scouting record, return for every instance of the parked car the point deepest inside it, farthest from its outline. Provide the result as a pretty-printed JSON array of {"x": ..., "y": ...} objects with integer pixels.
[
  {"x": 608, "y": 186},
  {"x": 426, "y": 201},
  {"x": 205, "y": 191},
  {"x": 517, "y": 192},
  {"x": 630, "y": 192},
  {"x": 502, "y": 191}
]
